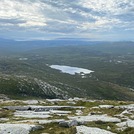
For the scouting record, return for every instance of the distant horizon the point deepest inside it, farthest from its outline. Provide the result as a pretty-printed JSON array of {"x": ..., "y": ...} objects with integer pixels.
[{"x": 64, "y": 39}]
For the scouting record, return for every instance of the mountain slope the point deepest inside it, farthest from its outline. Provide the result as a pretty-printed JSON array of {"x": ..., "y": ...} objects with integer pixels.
[
  {"x": 25, "y": 70},
  {"x": 28, "y": 87},
  {"x": 24, "y": 87}
]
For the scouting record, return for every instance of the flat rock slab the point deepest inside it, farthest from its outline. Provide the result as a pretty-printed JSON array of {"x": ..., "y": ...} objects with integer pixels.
[
  {"x": 14, "y": 130},
  {"x": 68, "y": 124},
  {"x": 17, "y": 128},
  {"x": 41, "y": 122},
  {"x": 55, "y": 100},
  {"x": 129, "y": 107},
  {"x": 47, "y": 108},
  {"x": 103, "y": 106},
  {"x": 106, "y": 106},
  {"x": 90, "y": 118},
  {"x": 4, "y": 119},
  {"x": 38, "y": 108},
  {"x": 32, "y": 114},
  {"x": 129, "y": 123},
  {"x": 4, "y": 97},
  {"x": 31, "y": 102},
  {"x": 91, "y": 130},
  {"x": 79, "y": 112},
  {"x": 39, "y": 114},
  {"x": 20, "y": 108},
  {"x": 59, "y": 112}
]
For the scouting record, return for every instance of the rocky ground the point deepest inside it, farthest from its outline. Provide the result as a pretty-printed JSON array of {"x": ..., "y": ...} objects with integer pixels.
[{"x": 72, "y": 116}]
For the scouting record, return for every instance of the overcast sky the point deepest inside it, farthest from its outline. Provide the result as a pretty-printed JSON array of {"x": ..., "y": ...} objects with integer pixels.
[{"x": 48, "y": 19}]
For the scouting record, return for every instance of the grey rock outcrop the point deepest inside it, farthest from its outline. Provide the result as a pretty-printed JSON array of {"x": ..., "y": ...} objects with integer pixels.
[
  {"x": 91, "y": 130},
  {"x": 18, "y": 128},
  {"x": 68, "y": 123}
]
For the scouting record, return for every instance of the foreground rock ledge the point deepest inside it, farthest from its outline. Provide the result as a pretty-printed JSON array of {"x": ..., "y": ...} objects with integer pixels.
[
  {"x": 92, "y": 130},
  {"x": 18, "y": 128},
  {"x": 91, "y": 118}
]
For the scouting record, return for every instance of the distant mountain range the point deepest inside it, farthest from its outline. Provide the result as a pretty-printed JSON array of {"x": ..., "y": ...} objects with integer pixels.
[{"x": 12, "y": 45}]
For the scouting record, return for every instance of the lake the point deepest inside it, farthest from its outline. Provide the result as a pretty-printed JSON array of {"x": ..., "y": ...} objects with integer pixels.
[{"x": 71, "y": 70}]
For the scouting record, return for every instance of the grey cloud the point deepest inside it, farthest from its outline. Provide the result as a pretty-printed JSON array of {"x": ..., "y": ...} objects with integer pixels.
[
  {"x": 59, "y": 27},
  {"x": 126, "y": 17},
  {"x": 67, "y": 16},
  {"x": 12, "y": 21}
]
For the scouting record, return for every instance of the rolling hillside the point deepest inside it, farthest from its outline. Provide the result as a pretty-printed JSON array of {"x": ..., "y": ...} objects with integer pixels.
[{"x": 24, "y": 71}]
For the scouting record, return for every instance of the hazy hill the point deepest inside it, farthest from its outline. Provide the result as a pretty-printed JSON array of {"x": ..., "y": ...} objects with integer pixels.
[{"x": 21, "y": 62}]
